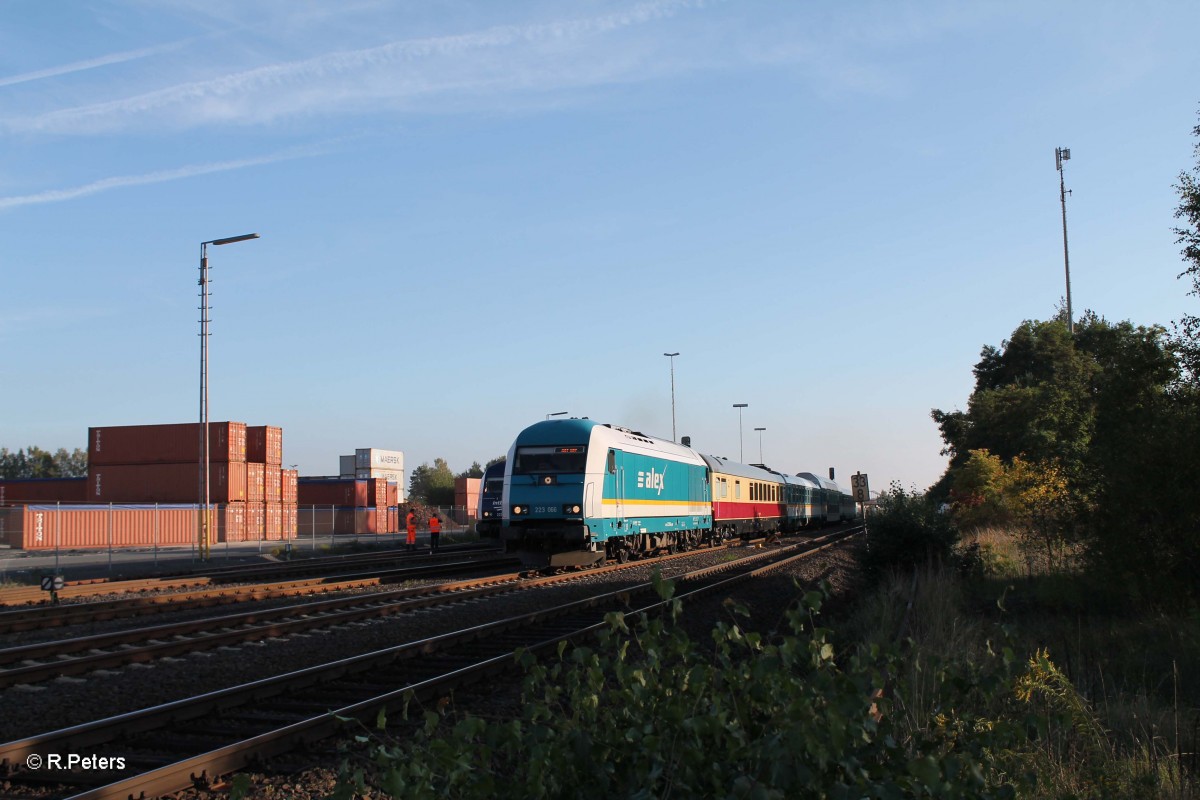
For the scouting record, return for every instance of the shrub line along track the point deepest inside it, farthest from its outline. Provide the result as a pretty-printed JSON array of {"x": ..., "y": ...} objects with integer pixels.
[{"x": 178, "y": 745}]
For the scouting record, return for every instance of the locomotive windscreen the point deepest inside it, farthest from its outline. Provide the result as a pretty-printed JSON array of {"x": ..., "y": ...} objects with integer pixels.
[{"x": 542, "y": 460}]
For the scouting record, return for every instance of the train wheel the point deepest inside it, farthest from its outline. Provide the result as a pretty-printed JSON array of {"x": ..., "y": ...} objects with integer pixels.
[{"x": 622, "y": 555}]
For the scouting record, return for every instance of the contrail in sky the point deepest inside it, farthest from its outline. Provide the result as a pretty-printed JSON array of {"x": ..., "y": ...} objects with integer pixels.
[
  {"x": 92, "y": 63},
  {"x": 162, "y": 176},
  {"x": 219, "y": 97}
]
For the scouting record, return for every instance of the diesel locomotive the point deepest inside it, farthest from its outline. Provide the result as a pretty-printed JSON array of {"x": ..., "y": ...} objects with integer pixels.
[
  {"x": 577, "y": 491},
  {"x": 491, "y": 495}
]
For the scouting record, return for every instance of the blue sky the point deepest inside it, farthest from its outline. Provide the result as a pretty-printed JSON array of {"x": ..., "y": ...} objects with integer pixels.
[{"x": 474, "y": 214}]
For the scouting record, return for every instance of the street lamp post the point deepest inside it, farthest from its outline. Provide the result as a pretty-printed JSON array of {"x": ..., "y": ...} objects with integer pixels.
[
  {"x": 203, "y": 536},
  {"x": 672, "y": 357},
  {"x": 739, "y": 407},
  {"x": 556, "y": 414},
  {"x": 760, "y": 433},
  {"x": 1062, "y": 154}
]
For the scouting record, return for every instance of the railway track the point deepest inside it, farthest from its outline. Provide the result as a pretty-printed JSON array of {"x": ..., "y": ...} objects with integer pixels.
[
  {"x": 18, "y": 596},
  {"x": 42, "y": 661},
  {"x": 190, "y": 742},
  {"x": 45, "y": 616}
]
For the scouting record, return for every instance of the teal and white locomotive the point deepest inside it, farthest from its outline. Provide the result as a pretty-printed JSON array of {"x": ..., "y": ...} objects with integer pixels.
[{"x": 578, "y": 491}]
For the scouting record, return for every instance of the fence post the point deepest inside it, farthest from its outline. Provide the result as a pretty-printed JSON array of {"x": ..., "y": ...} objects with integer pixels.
[
  {"x": 57, "y": 532},
  {"x": 110, "y": 535},
  {"x": 156, "y": 536}
]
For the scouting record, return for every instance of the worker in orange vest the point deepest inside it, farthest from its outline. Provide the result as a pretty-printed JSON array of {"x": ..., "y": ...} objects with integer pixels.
[
  {"x": 435, "y": 532},
  {"x": 411, "y": 523}
]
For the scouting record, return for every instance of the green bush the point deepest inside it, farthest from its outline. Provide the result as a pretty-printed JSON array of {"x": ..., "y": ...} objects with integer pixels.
[
  {"x": 906, "y": 530},
  {"x": 646, "y": 713}
]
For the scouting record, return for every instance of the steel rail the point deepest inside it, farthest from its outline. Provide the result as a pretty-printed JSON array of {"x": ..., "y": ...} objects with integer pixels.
[
  {"x": 76, "y": 613},
  {"x": 140, "y": 645},
  {"x": 325, "y": 565}
]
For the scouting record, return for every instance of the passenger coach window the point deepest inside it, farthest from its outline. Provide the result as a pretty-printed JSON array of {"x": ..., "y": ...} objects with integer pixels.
[{"x": 737, "y": 490}]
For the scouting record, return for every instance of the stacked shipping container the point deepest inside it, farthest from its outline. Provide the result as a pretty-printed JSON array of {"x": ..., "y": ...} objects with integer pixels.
[
  {"x": 253, "y": 497},
  {"x": 162, "y": 464},
  {"x": 347, "y": 505},
  {"x": 43, "y": 490},
  {"x": 46, "y": 527}
]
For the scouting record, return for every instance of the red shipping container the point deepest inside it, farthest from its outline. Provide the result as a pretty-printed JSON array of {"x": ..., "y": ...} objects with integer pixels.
[
  {"x": 290, "y": 517},
  {"x": 264, "y": 444},
  {"x": 43, "y": 490},
  {"x": 230, "y": 522},
  {"x": 255, "y": 528},
  {"x": 165, "y": 444},
  {"x": 273, "y": 521},
  {"x": 165, "y": 483},
  {"x": 331, "y": 492},
  {"x": 366, "y": 520},
  {"x": 272, "y": 484},
  {"x": 256, "y": 486},
  {"x": 329, "y": 520},
  {"x": 44, "y": 527},
  {"x": 377, "y": 492},
  {"x": 289, "y": 478}
]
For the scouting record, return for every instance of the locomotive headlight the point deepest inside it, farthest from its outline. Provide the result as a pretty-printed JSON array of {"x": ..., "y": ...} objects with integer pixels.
[
  {"x": 573, "y": 509},
  {"x": 518, "y": 510}
]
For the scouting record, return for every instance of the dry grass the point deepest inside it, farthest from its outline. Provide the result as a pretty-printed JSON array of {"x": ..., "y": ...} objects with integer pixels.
[{"x": 1128, "y": 678}]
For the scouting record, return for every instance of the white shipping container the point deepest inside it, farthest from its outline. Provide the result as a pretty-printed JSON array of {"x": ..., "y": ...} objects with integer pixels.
[
  {"x": 371, "y": 458},
  {"x": 346, "y": 464},
  {"x": 390, "y": 475}
]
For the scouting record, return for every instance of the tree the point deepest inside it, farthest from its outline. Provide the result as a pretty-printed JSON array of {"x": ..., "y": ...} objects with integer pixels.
[
  {"x": 977, "y": 492},
  {"x": 1091, "y": 435},
  {"x": 432, "y": 485},
  {"x": 474, "y": 471},
  {"x": 1039, "y": 498},
  {"x": 1189, "y": 236},
  {"x": 496, "y": 460},
  {"x": 34, "y": 462},
  {"x": 1032, "y": 398}
]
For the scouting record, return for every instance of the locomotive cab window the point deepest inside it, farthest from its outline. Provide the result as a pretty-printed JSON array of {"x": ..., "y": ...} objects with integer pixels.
[
  {"x": 550, "y": 459},
  {"x": 612, "y": 462}
]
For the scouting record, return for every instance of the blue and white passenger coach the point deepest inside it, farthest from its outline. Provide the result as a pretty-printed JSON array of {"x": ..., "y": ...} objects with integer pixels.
[{"x": 577, "y": 491}]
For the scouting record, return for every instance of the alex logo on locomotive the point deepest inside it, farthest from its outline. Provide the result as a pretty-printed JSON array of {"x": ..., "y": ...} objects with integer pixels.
[{"x": 652, "y": 479}]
